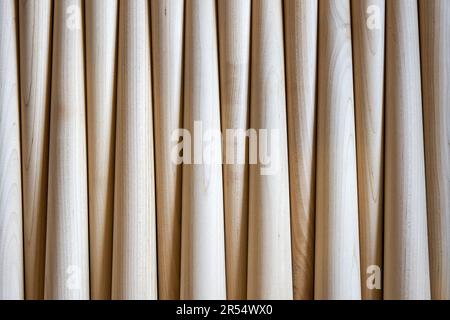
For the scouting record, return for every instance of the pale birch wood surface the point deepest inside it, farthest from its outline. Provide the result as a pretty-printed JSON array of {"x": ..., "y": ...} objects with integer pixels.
[
  {"x": 203, "y": 247},
  {"x": 134, "y": 254},
  {"x": 269, "y": 241},
  {"x": 368, "y": 26},
  {"x": 101, "y": 47},
  {"x": 337, "y": 265},
  {"x": 300, "y": 18},
  {"x": 435, "y": 62},
  {"x": 11, "y": 255},
  {"x": 35, "y": 25},
  {"x": 234, "y": 39},
  {"x": 406, "y": 266},
  {"x": 67, "y": 250},
  {"x": 167, "y": 52}
]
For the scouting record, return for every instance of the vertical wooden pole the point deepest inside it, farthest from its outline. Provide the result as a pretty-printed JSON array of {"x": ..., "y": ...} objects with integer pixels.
[
  {"x": 234, "y": 39},
  {"x": 435, "y": 62},
  {"x": 101, "y": 42},
  {"x": 11, "y": 255},
  {"x": 167, "y": 50},
  {"x": 67, "y": 251},
  {"x": 406, "y": 265},
  {"x": 301, "y": 65},
  {"x": 269, "y": 241},
  {"x": 134, "y": 245},
  {"x": 368, "y": 21},
  {"x": 35, "y": 25},
  {"x": 203, "y": 248},
  {"x": 337, "y": 265}
]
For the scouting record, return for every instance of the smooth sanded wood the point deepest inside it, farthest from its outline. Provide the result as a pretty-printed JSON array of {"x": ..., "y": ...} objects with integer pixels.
[
  {"x": 101, "y": 47},
  {"x": 35, "y": 25},
  {"x": 134, "y": 244},
  {"x": 300, "y": 18},
  {"x": 269, "y": 241},
  {"x": 167, "y": 53},
  {"x": 234, "y": 40},
  {"x": 337, "y": 265},
  {"x": 368, "y": 21},
  {"x": 11, "y": 256},
  {"x": 406, "y": 265},
  {"x": 435, "y": 62},
  {"x": 203, "y": 247},
  {"x": 67, "y": 251}
]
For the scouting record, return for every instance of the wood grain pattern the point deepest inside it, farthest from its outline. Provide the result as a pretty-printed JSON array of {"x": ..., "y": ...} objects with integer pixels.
[
  {"x": 435, "y": 62},
  {"x": 134, "y": 245},
  {"x": 269, "y": 240},
  {"x": 167, "y": 52},
  {"x": 67, "y": 251},
  {"x": 35, "y": 25},
  {"x": 234, "y": 39},
  {"x": 337, "y": 265},
  {"x": 101, "y": 48},
  {"x": 11, "y": 255},
  {"x": 203, "y": 248},
  {"x": 368, "y": 26},
  {"x": 300, "y": 18},
  {"x": 406, "y": 266}
]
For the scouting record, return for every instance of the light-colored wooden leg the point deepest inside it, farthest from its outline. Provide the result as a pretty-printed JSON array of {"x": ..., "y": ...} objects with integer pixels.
[
  {"x": 337, "y": 265},
  {"x": 101, "y": 42},
  {"x": 368, "y": 21},
  {"x": 435, "y": 45},
  {"x": 67, "y": 251},
  {"x": 134, "y": 236},
  {"x": 406, "y": 265},
  {"x": 203, "y": 247},
  {"x": 234, "y": 35},
  {"x": 269, "y": 240},
  {"x": 167, "y": 50},
  {"x": 301, "y": 64},
  {"x": 35, "y": 25},
  {"x": 11, "y": 255}
]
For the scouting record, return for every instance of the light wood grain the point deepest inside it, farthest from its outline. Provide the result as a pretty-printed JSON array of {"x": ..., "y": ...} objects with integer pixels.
[
  {"x": 406, "y": 266},
  {"x": 435, "y": 62},
  {"x": 337, "y": 265},
  {"x": 134, "y": 253},
  {"x": 11, "y": 256},
  {"x": 167, "y": 53},
  {"x": 234, "y": 39},
  {"x": 203, "y": 248},
  {"x": 368, "y": 26},
  {"x": 300, "y": 18},
  {"x": 101, "y": 42},
  {"x": 269, "y": 240},
  {"x": 67, "y": 251},
  {"x": 35, "y": 25}
]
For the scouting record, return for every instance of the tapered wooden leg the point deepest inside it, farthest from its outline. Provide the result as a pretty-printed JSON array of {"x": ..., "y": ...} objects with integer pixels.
[
  {"x": 269, "y": 239},
  {"x": 101, "y": 48},
  {"x": 167, "y": 52},
  {"x": 67, "y": 251},
  {"x": 134, "y": 237},
  {"x": 368, "y": 26},
  {"x": 406, "y": 265},
  {"x": 11, "y": 254},
  {"x": 35, "y": 25},
  {"x": 300, "y": 25},
  {"x": 234, "y": 35},
  {"x": 337, "y": 265},
  {"x": 435, "y": 61},
  {"x": 203, "y": 247}
]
